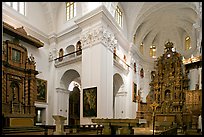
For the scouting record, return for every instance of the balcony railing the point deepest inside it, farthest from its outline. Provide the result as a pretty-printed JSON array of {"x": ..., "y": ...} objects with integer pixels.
[
  {"x": 68, "y": 56},
  {"x": 120, "y": 63}
]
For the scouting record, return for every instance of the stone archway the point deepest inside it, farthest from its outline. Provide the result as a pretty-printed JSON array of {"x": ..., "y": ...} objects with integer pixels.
[
  {"x": 117, "y": 86},
  {"x": 73, "y": 101}
]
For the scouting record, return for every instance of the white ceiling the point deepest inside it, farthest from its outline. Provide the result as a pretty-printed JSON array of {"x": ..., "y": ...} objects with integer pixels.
[
  {"x": 155, "y": 23},
  {"x": 152, "y": 22}
]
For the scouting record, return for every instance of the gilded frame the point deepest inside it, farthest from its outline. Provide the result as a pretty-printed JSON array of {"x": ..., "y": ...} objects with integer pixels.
[
  {"x": 41, "y": 90},
  {"x": 90, "y": 102}
]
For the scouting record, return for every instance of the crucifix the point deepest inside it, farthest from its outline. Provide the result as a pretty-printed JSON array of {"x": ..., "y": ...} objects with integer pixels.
[{"x": 154, "y": 107}]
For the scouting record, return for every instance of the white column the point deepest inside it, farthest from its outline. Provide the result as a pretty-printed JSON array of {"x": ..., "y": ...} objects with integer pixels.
[
  {"x": 62, "y": 102},
  {"x": 97, "y": 64}
]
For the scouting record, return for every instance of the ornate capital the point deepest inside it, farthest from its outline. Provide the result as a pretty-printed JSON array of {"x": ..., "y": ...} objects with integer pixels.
[{"x": 99, "y": 35}]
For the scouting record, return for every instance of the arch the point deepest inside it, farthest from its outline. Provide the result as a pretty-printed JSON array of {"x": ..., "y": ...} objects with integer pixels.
[
  {"x": 117, "y": 85},
  {"x": 70, "y": 49},
  {"x": 69, "y": 76},
  {"x": 15, "y": 94},
  {"x": 167, "y": 94}
]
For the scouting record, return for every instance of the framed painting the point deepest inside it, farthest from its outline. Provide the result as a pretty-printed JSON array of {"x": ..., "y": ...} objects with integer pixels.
[
  {"x": 41, "y": 90},
  {"x": 90, "y": 102},
  {"x": 134, "y": 92}
]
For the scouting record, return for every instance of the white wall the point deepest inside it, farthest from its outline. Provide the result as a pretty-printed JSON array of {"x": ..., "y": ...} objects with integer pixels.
[{"x": 96, "y": 67}]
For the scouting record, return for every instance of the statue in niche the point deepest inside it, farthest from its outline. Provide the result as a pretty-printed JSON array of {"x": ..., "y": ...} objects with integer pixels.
[
  {"x": 15, "y": 92},
  {"x": 114, "y": 53},
  {"x": 79, "y": 50},
  {"x": 167, "y": 94},
  {"x": 153, "y": 75},
  {"x": 61, "y": 53},
  {"x": 124, "y": 57}
]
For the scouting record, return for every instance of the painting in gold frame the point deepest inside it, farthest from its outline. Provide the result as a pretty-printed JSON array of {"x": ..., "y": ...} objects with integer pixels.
[
  {"x": 41, "y": 90},
  {"x": 90, "y": 102}
]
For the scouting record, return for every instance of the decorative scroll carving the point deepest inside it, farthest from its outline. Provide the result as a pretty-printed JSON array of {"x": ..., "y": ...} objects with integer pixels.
[
  {"x": 32, "y": 59},
  {"x": 99, "y": 35}
]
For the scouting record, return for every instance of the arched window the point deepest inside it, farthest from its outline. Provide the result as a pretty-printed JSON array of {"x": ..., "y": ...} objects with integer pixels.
[
  {"x": 18, "y": 6},
  {"x": 61, "y": 52},
  {"x": 152, "y": 52},
  {"x": 141, "y": 47},
  {"x": 70, "y": 50},
  {"x": 118, "y": 16},
  {"x": 187, "y": 43},
  {"x": 167, "y": 94},
  {"x": 70, "y": 10}
]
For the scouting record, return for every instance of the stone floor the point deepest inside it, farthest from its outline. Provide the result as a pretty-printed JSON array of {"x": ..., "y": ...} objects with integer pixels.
[
  {"x": 137, "y": 131},
  {"x": 140, "y": 131}
]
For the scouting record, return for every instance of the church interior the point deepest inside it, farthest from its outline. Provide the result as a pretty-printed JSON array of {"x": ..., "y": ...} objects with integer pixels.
[{"x": 102, "y": 68}]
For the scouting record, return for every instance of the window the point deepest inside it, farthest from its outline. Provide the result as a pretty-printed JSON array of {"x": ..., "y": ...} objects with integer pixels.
[
  {"x": 141, "y": 47},
  {"x": 118, "y": 16},
  {"x": 152, "y": 52},
  {"x": 18, "y": 6},
  {"x": 70, "y": 10},
  {"x": 16, "y": 55},
  {"x": 187, "y": 43}
]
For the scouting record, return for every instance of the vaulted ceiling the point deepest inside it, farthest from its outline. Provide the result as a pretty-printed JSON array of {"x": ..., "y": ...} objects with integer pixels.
[{"x": 153, "y": 23}]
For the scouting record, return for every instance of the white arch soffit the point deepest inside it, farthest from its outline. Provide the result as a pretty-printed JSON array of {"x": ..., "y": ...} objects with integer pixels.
[
  {"x": 69, "y": 76},
  {"x": 117, "y": 82},
  {"x": 155, "y": 7}
]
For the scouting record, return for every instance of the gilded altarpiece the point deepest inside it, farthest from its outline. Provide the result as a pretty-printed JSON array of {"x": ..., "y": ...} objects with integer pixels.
[
  {"x": 168, "y": 88},
  {"x": 18, "y": 86}
]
